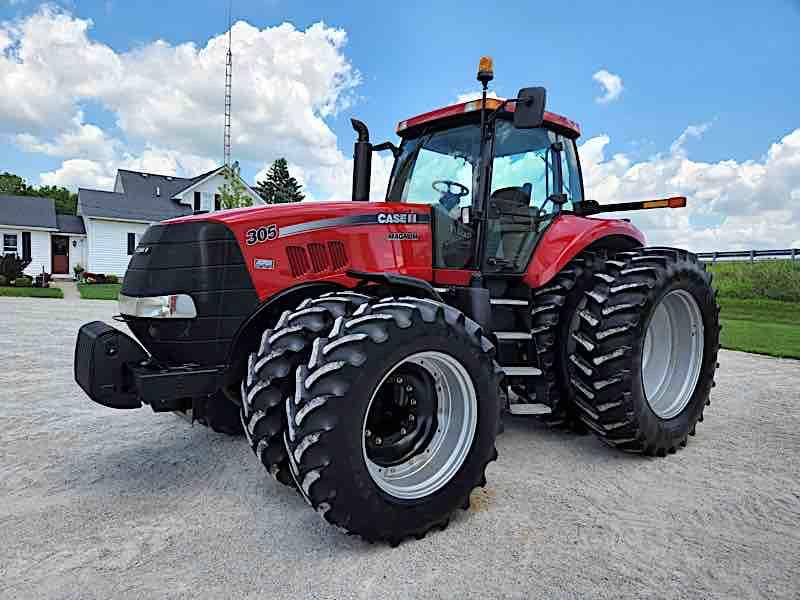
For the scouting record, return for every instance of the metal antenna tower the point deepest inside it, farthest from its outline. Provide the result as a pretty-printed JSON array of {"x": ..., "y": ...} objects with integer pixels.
[{"x": 228, "y": 76}]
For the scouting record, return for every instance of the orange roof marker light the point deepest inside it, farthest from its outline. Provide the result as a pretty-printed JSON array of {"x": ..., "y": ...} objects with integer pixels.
[{"x": 485, "y": 69}]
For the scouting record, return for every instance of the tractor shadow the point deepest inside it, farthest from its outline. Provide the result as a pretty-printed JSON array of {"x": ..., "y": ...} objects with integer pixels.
[{"x": 529, "y": 434}]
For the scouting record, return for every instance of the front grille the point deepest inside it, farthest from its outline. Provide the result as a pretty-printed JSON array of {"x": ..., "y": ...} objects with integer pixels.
[
  {"x": 317, "y": 257},
  {"x": 202, "y": 259},
  {"x": 338, "y": 255},
  {"x": 298, "y": 260}
]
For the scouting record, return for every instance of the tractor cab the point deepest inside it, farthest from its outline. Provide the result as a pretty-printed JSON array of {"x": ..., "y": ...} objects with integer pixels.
[{"x": 532, "y": 174}]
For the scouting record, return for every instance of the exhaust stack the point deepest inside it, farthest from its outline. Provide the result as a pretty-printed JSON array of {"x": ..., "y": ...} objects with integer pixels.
[{"x": 362, "y": 162}]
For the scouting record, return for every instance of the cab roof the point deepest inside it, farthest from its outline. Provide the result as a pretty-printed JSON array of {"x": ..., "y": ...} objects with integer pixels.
[{"x": 571, "y": 128}]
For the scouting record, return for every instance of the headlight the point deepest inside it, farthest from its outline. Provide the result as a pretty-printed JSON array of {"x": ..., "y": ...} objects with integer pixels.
[{"x": 174, "y": 306}]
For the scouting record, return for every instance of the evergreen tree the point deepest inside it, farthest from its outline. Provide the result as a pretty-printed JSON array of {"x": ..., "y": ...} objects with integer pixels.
[{"x": 279, "y": 187}]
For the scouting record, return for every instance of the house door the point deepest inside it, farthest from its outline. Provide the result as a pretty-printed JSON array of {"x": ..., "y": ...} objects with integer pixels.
[{"x": 60, "y": 254}]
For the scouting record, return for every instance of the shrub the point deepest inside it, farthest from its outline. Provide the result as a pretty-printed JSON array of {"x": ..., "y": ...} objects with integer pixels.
[
  {"x": 94, "y": 277},
  {"x": 78, "y": 269},
  {"x": 42, "y": 280},
  {"x": 3, "y": 280},
  {"x": 112, "y": 279},
  {"x": 12, "y": 266},
  {"x": 23, "y": 281}
]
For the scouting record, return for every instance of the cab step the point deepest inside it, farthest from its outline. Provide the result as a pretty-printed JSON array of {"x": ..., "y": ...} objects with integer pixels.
[
  {"x": 513, "y": 335},
  {"x": 508, "y": 302},
  {"x": 521, "y": 371},
  {"x": 529, "y": 408}
]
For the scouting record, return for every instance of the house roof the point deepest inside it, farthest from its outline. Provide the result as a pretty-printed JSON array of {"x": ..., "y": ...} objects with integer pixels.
[
  {"x": 28, "y": 211},
  {"x": 129, "y": 206},
  {"x": 70, "y": 224},
  {"x": 143, "y": 197},
  {"x": 137, "y": 184}
]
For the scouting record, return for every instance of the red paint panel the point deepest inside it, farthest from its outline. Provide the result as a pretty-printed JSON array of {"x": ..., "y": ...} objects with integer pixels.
[
  {"x": 567, "y": 236},
  {"x": 452, "y": 276},
  {"x": 363, "y": 247},
  {"x": 458, "y": 109}
]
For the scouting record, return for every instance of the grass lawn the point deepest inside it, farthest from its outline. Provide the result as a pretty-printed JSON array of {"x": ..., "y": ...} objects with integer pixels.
[
  {"x": 761, "y": 326},
  {"x": 31, "y": 292},
  {"x": 99, "y": 291}
]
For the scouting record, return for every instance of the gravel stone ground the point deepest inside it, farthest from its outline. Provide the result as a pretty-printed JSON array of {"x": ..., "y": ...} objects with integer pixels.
[{"x": 97, "y": 503}]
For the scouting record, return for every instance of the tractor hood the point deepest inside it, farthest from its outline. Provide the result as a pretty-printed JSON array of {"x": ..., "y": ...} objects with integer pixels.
[{"x": 289, "y": 212}]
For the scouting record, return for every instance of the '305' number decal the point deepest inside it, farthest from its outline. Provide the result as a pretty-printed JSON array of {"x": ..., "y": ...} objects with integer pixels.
[{"x": 261, "y": 234}]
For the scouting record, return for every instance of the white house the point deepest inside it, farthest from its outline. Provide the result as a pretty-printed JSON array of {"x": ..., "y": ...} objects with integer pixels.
[
  {"x": 30, "y": 228},
  {"x": 104, "y": 234}
]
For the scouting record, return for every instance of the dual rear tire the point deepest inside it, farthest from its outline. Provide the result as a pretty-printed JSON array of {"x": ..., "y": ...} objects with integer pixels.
[{"x": 643, "y": 349}]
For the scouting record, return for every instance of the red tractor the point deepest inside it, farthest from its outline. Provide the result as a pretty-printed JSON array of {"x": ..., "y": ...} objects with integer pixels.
[{"x": 369, "y": 348}]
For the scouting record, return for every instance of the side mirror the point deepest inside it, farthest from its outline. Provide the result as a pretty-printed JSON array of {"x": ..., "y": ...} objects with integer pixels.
[{"x": 529, "y": 112}]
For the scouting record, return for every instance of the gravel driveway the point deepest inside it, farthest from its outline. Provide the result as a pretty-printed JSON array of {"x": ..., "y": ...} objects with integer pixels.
[{"x": 97, "y": 503}]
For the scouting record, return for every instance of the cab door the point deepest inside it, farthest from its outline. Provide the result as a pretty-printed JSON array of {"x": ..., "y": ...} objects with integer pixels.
[{"x": 534, "y": 176}]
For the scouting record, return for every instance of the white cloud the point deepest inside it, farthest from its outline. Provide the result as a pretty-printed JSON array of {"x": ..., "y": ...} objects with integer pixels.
[
  {"x": 286, "y": 82},
  {"x": 692, "y": 131},
  {"x": 612, "y": 86},
  {"x": 476, "y": 95},
  {"x": 335, "y": 181},
  {"x": 731, "y": 205},
  {"x": 94, "y": 174}
]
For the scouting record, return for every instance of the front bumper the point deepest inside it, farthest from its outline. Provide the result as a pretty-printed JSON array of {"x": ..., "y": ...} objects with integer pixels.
[{"x": 115, "y": 371}]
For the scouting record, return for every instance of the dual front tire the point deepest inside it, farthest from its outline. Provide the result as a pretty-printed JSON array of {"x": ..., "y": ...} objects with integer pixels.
[{"x": 392, "y": 418}]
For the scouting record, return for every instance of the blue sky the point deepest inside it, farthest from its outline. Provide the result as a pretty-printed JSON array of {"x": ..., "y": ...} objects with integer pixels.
[{"x": 728, "y": 69}]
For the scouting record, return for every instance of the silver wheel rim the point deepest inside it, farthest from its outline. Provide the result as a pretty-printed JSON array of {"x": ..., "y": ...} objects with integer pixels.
[
  {"x": 457, "y": 419},
  {"x": 672, "y": 354}
]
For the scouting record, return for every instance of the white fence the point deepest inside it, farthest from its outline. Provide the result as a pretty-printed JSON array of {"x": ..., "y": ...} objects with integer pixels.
[{"x": 751, "y": 255}]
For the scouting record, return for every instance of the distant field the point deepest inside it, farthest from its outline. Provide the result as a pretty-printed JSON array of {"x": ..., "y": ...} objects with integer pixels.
[
  {"x": 767, "y": 279},
  {"x": 760, "y": 304},
  {"x": 99, "y": 291}
]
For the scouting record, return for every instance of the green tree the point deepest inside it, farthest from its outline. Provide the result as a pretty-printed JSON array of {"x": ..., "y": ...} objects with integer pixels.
[
  {"x": 12, "y": 184},
  {"x": 279, "y": 187},
  {"x": 66, "y": 202},
  {"x": 233, "y": 193}
]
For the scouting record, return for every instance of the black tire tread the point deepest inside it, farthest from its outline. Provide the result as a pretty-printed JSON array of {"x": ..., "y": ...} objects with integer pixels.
[
  {"x": 602, "y": 341},
  {"x": 354, "y": 338},
  {"x": 271, "y": 374}
]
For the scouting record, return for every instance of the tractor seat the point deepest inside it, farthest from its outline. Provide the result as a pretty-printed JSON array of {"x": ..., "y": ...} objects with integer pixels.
[
  {"x": 515, "y": 220},
  {"x": 509, "y": 199}
]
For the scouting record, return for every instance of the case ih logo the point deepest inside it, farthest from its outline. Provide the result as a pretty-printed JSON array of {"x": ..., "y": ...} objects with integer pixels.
[{"x": 403, "y": 218}]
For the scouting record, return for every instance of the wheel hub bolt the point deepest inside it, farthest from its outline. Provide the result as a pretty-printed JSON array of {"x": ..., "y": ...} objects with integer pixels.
[
  {"x": 378, "y": 441},
  {"x": 411, "y": 418},
  {"x": 403, "y": 431},
  {"x": 368, "y": 433},
  {"x": 413, "y": 402},
  {"x": 399, "y": 380},
  {"x": 409, "y": 388}
]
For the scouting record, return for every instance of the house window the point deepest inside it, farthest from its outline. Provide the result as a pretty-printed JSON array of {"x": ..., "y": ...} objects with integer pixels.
[
  {"x": 131, "y": 243},
  {"x": 26, "y": 245},
  {"x": 10, "y": 243},
  {"x": 197, "y": 200},
  {"x": 217, "y": 201}
]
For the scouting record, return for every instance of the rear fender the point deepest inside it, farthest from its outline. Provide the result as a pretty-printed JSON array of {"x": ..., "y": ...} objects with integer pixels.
[{"x": 569, "y": 235}]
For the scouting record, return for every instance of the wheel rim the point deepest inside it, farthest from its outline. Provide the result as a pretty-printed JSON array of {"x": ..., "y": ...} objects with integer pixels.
[
  {"x": 445, "y": 406},
  {"x": 672, "y": 354}
]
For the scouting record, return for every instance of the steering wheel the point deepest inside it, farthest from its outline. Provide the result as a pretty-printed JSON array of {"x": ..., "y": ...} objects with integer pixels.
[{"x": 443, "y": 186}]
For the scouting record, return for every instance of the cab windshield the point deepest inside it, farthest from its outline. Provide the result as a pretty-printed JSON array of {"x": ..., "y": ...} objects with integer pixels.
[{"x": 440, "y": 168}]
